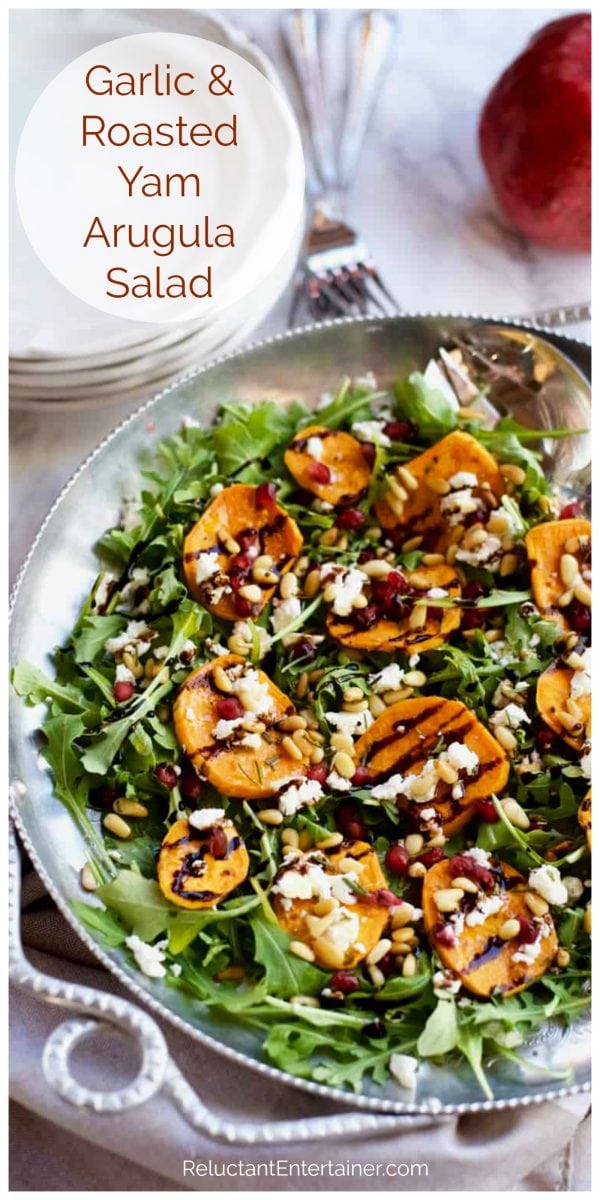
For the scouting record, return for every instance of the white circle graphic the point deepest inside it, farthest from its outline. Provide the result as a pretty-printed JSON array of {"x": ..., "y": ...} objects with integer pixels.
[{"x": 152, "y": 204}]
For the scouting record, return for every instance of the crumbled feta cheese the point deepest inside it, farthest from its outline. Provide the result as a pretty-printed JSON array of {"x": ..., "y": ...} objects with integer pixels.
[
  {"x": 130, "y": 515},
  {"x": 479, "y": 856},
  {"x": 512, "y": 716},
  {"x": 337, "y": 782},
  {"x": 343, "y": 930},
  {"x": 507, "y": 692},
  {"x": 104, "y": 589},
  {"x": 242, "y": 630},
  {"x": 224, "y": 729},
  {"x": 253, "y": 694},
  {"x": 428, "y": 814},
  {"x": 322, "y": 506},
  {"x": 352, "y": 724},
  {"x": 371, "y": 431},
  {"x": 463, "y": 479},
  {"x": 398, "y": 784},
  {"x": 305, "y": 878},
  {"x": 189, "y": 423},
  {"x": 581, "y": 682},
  {"x": 459, "y": 756},
  {"x": 368, "y": 381},
  {"x": 205, "y": 818},
  {"x": 414, "y": 660},
  {"x": 285, "y": 613},
  {"x": 388, "y": 790},
  {"x": 347, "y": 585},
  {"x": 252, "y": 740},
  {"x": 528, "y": 952},
  {"x": 124, "y": 675},
  {"x": 437, "y": 593},
  {"x": 486, "y": 554},
  {"x": 389, "y": 679},
  {"x": 216, "y": 488},
  {"x": 314, "y": 448},
  {"x": 299, "y": 794},
  {"x": 483, "y": 909},
  {"x": 403, "y": 1069},
  {"x": 457, "y": 505},
  {"x": 175, "y": 969},
  {"x": 140, "y": 578},
  {"x": 150, "y": 959},
  {"x": 207, "y": 565},
  {"x": 585, "y": 762},
  {"x": 446, "y": 981},
  {"x": 546, "y": 881}
]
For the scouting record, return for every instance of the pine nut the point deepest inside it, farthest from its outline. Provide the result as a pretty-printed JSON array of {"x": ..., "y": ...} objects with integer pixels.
[
  {"x": 583, "y": 593},
  {"x": 352, "y": 694},
  {"x": 401, "y": 935},
  {"x": 536, "y": 904},
  {"x": 231, "y": 974},
  {"x": 507, "y": 739},
  {"x": 390, "y": 698},
  {"x": 395, "y": 505},
  {"x": 420, "y": 787},
  {"x": 493, "y": 635},
  {"x": 407, "y": 478},
  {"x": 270, "y": 816},
  {"x": 230, "y": 544},
  {"x": 360, "y": 601},
  {"x": 292, "y": 722},
  {"x": 403, "y": 915},
  {"x": 587, "y": 919},
  {"x": 302, "y": 951},
  {"x": 116, "y": 825},
  {"x": 396, "y": 488},
  {"x": 342, "y": 542},
  {"x": 409, "y": 966},
  {"x": 301, "y": 565},
  {"x": 328, "y": 843},
  {"x": 291, "y": 748},
  {"x": 317, "y": 755},
  {"x": 498, "y": 523},
  {"x": 341, "y": 741},
  {"x": 508, "y": 564},
  {"x": 305, "y": 841},
  {"x": 329, "y": 537},
  {"x": 251, "y": 593},
  {"x": 130, "y": 661},
  {"x": 312, "y": 583},
  {"x": 347, "y": 863},
  {"x": 509, "y": 930},
  {"x": 305, "y": 1001},
  {"x": 446, "y": 771},
  {"x": 264, "y": 575},
  {"x": 433, "y": 560},
  {"x": 418, "y": 616},
  {"x": 302, "y": 685},
  {"x": 563, "y": 957},
  {"x": 361, "y": 706},
  {"x": 465, "y": 885},
  {"x": 451, "y": 553},
  {"x": 569, "y": 569},
  {"x": 412, "y": 543},
  {"x": 126, "y": 807},
  {"x": 289, "y": 837},
  {"x": 417, "y": 870},
  {"x": 414, "y": 843},
  {"x": 569, "y": 722},
  {"x": 440, "y": 486},
  {"x": 87, "y": 879},
  {"x": 376, "y": 705},
  {"x": 439, "y": 840},
  {"x": 221, "y": 679},
  {"x": 475, "y": 537},
  {"x": 288, "y": 586},
  {"x": 416, "y": 679},
  {"x": 377, "y": 976},
  {"x": 344, "y": 765},
  {"x": 448, "y": 899},
  {"x": 376, "y": 568},
  {"x": 513, "y": 473},
  {"x": 323, "y": 907},
  {"x": 574, "y": 888},
  {"x": 379, "y": 951},
  {"x": 514, "y": 813},
  {"x": 565, "y": 599}
]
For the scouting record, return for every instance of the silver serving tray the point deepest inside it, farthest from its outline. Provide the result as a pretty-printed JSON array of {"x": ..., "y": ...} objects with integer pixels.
[{"x": 57, "y": 575}]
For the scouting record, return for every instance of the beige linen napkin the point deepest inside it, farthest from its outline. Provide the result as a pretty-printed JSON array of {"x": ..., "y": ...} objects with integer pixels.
[{"x": 521, "y": 1149}]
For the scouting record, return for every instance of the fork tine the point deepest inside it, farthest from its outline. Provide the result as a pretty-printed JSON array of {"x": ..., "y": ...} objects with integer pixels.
[
  {"x": 336, "y": 298},
  {"x": 372, "y": 272}
]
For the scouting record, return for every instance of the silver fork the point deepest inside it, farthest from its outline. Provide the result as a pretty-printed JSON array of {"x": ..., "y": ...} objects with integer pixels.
[{"x": 337, "y": 276}]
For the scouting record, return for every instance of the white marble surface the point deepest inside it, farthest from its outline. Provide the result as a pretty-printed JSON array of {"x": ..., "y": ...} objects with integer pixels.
[{"x": 420, "y": 200}]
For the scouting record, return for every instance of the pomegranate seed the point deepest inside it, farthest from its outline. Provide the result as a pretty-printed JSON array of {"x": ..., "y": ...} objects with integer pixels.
[
  {"x": 318, "y": 472},
  {"x": 247, "y": 538},
  {"x": 318, "y": 773},
  {"x": 368, "y": 452},
  {"x": 479, "y": 516},
  {"x": 350, "y": 518},
  {"x": 240, "y": 562},
  {"x": 397, "y": 859},
  {"x": 303, "y": 648},
  {"x": 486, "y": 810},
  {"x": 365, "y": 618},
  {"x": 397, "y": 581},
  {"x": 344, "y": 981},
  {"x": 472, "y": 618},
  {"x": 189, "y": 784},
  {"x": 374, "y": 1029},
  {"x": 574, "y": 509},
  {"x": 242, "y": 606},
  {"x": 265, "y": 495},
  {"x": 399, "y": 431},
  {"x": 384, "y": 898},
  {"x": 229, "y": 709},
  {"x": 432, "y": 856},
  {"x": 387, "y": 964},
  {"x": 545, "y": 739},
  {"x": 463, "y": 864},
  {"x": 219, "y": 842},
  {"x": 166, "y": 775},
  {"x": 107, "y": 795},
  {"x": 350, "y": 823},
  {"x": 362, "y": 776},
  {"x": 445, "y": 935},
  {"x": 123, "y": 691},
  {"x": 527, "y": 931},
  {"x": 579, "y": 617},
  {"x": 473, "y": 590}
]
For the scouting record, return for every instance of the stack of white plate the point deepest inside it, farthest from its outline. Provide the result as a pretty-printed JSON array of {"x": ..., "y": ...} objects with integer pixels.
[{"x": 64, "y": 354}]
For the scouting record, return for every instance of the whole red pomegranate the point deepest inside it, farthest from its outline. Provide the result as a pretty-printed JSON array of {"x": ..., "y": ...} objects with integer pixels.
[{"x": 535, "y": 136}]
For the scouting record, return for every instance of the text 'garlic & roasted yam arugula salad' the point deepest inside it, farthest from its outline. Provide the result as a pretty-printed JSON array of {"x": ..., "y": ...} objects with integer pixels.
[{"x": 324, "y": 723}]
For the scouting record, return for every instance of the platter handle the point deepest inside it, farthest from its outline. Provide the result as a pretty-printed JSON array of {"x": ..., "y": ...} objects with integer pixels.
[{"x": 102, "y": 1011}]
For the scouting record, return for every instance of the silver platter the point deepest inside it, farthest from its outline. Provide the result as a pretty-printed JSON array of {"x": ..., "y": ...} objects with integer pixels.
[{"x": 61, "y": 565}]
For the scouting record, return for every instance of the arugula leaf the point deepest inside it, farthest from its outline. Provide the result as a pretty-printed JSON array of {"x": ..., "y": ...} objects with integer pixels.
[
  {"x": 427, "y": 408},
  {"x": 440, "y": 1033},
  {"x": 285, "y": 974},
  {"x": 95, "y": 631},
  {"x": 185, "y": 924},
  {"x": 36, "y": 687},
  {"x": 100, "y": 920},
  {"x": 138, "y": 902},
  {"x": 246, "y": 433}
]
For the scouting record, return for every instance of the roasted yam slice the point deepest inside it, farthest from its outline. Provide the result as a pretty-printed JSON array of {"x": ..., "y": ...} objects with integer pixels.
[
  {"x": 584, "y": 817},
  {"x": 420, "y": 513},
  {"x": 248, "y": 518},
  {"x": 252, "y": 771},
  {"x": 339, "y": 475},
  {"x": 485, "y": 961},
  {"x": 403, "y": 740},
  {"x": 387, "y": 633},
  {"x": 198, "y": 869},
  {"x": 557, "y": 550},
  {"x": 553, "y": 697},
  {"x": 345, "y": 936}
]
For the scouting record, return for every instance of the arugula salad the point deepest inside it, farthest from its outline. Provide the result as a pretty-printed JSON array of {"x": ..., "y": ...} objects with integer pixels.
[{"x": 323, "y": 721}]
